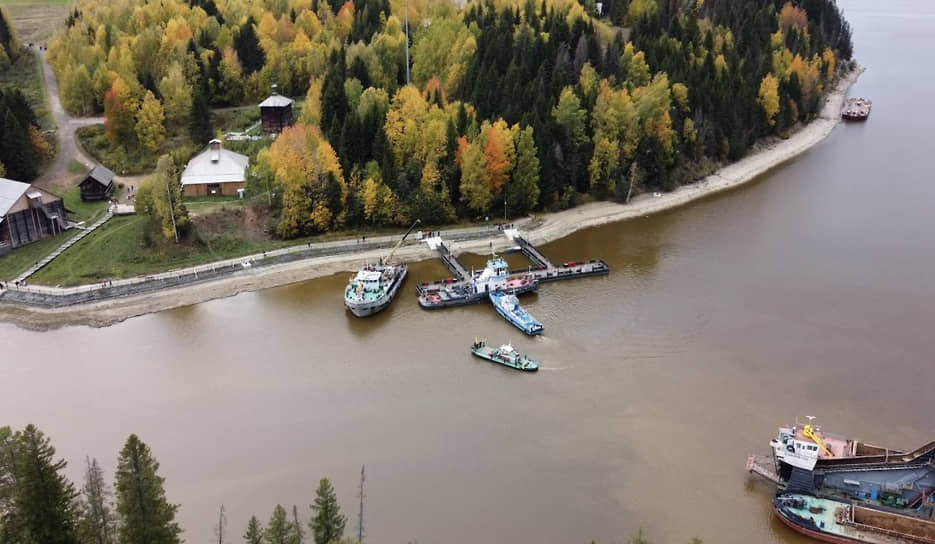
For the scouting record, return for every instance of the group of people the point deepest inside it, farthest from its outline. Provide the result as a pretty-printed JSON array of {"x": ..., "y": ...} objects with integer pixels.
[
  {"x": 502, "y": 226},
  {"x": 17, "y": 283},
  {"x": 430, "y": 234}
]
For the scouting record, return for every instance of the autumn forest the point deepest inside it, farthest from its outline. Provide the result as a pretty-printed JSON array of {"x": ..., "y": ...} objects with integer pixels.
[{"x": 513, "y": 105}]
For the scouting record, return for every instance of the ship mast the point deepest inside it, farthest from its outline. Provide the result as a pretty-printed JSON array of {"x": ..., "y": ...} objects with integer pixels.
[{"x": 400, "y": 242}]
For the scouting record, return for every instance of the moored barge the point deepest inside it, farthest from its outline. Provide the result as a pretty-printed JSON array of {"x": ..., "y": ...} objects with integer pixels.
[
  {"x": 856, "y": 109},
  {"x": 840, "y": 522}
]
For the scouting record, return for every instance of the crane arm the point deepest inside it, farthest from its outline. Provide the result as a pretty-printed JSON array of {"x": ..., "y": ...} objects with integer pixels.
[
  {"x": 399, "y": 243},
  {"x": 809, "y": 431}
]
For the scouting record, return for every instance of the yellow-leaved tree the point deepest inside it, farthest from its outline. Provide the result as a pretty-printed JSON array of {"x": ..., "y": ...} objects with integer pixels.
[
  {"x": 306, "y": 167},
  {"x": 149, "y": 123},
  {"x": 768, "y": 98}
]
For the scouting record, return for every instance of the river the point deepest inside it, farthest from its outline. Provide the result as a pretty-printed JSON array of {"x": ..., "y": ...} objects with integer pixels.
[{"x": 803, "y": 293}]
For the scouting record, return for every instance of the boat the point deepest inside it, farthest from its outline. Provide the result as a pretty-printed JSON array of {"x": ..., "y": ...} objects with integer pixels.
[
  {"x": 841, "y": 522},
  {"x": 508, "y": 306},
  {"x": 374, "y": 286},
  {"x": 505, "y": 355},
  {"x": 806, "y": 448},
  {"x": 495, "y": 276},
  {"x": 856, "y": 109}
]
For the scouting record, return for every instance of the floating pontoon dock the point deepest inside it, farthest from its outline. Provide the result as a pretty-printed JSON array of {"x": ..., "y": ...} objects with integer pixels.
[{"x": 460, "y": 289}]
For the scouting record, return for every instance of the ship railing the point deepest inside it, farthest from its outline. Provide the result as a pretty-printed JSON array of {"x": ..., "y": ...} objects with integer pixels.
[{"x": 900, "y": 536}]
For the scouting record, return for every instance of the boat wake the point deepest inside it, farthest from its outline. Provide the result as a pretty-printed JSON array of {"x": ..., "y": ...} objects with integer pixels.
[{"x": 555, "y": 367}]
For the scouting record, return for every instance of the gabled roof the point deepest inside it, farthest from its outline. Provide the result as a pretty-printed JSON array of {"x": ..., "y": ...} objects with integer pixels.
[
  {"x": 101, "y": 175},
  {"x": 276, "y": 101},
  {"x": 10, "y": 192},
  {"x": 229, "y": 167}
]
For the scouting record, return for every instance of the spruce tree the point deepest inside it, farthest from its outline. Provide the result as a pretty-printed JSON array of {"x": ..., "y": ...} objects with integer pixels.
[
  {"x": 146, "y": 517},
  {"x": 254, "y": 534},
  {"x": 7, "y": 41},
  {"x": 248, "y": 48},
  {"x": 200, "y": 127},
  {"x": 16, "y": 150},
  {"x": 96, "y": 520},
  {"x": 280, "y": 529},
  {"x": 39, "y": 504},
  {"x": 327, "y": 524}
]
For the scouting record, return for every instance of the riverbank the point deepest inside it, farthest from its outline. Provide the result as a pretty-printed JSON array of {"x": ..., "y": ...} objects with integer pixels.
[{"x": 549, "y": 227}]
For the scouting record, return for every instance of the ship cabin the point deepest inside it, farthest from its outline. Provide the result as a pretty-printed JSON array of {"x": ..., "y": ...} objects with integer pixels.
[
  {"x": 803, "y": 446},
  {"x": 369, "y": 279}
]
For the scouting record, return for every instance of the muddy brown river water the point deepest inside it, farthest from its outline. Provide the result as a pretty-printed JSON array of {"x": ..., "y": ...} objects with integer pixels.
[{"x": 808, "y": 292}]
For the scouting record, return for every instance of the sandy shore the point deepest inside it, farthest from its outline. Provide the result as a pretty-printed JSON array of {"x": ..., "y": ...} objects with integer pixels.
[{"x": 551, "y": 227}]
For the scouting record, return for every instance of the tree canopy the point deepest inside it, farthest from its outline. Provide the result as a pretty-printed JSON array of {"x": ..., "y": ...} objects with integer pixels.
[{"x": 515, "y": 104}]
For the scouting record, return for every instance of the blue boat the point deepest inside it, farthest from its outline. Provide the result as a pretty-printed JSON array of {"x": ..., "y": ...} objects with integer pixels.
[{"x": 508, "y": 306}]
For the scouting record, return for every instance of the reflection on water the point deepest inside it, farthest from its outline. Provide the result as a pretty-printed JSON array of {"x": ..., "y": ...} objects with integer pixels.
[{"x": 803, "y": 294}]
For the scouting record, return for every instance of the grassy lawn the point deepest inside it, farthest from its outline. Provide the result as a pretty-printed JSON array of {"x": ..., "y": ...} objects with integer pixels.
[
  {"x": 89, "y": 212},
  {"x": 18, "y": 260},
  {"x": 76, "y": 167},
  {"x": 26, "y": 75},
  {"x": 236, "y": 119},
  {"x": 124, "y": 247},
  {"x": 36, "y": 20}
]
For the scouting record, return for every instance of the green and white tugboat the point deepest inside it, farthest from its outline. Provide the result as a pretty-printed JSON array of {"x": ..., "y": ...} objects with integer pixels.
[
  {"x": 374, "y": 286},
  {"x": 505, "y": 355}
]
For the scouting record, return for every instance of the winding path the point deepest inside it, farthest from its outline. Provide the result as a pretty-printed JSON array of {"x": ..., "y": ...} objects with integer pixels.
[{"x": 57, "y": 177}]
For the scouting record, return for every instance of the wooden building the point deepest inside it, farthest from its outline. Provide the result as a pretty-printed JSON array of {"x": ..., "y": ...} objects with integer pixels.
[
  {"x": 98, "y": 184},
  {"x": 276, "y": 112},
  {"x": 215, "y": 172},
  {"x": 27, "y": 214}
]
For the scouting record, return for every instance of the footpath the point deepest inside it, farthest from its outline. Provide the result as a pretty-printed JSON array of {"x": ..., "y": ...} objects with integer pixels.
[
  {"x": 61, "y": 249},
  {"x": 58, "y": 297}
]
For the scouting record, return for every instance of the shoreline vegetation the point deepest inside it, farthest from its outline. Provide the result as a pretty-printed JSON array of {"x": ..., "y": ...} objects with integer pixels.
[{"x": 551, "y": 226}]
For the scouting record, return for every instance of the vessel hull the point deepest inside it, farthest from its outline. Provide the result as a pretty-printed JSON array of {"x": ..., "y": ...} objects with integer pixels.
[
  {"x": 366, "y": 309},
  {"x": 817, "y": 535},
  {"x": 462, "y": 299},
  {"x": 489, "y": 354}
]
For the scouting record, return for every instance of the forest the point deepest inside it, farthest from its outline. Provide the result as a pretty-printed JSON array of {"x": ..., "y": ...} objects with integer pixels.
[
  {"x": 38, "y": 504},
  {"x": 22, "y": 145},
  {"x": 513, "y": 105}
]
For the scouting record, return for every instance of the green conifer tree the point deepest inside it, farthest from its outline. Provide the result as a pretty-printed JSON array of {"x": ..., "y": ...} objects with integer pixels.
[
  {"x": 280, "y": 529},
  {"x": 36, "y": 501},
  {"x": 254, "y": 534},
  {"x": 146, "y": 517},
  {"x": 327, "y": 523},
  {"x": 248, "y": 48},
  {"x": 16, "y": 150},
  {"x": 200, "y": 124}
]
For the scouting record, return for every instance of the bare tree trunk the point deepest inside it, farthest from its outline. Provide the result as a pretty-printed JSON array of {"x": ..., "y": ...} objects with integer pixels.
[
  {"x": 360, "y": 513},
  {"x": 299, "y": 532},
  {"x": 220, "y": 530}
]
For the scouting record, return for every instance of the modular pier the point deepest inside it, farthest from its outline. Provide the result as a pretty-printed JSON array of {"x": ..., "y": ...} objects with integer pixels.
[{"x": 465, "y": 288}]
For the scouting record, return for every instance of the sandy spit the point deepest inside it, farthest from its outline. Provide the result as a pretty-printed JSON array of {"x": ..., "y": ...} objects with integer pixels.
[{"x": 551, "y": 227}]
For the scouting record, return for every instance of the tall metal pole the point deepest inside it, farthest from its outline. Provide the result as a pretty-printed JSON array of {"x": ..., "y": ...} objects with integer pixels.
[
  {"x": 175, "y": 229},
  {"x": 407, "y": 42}
]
